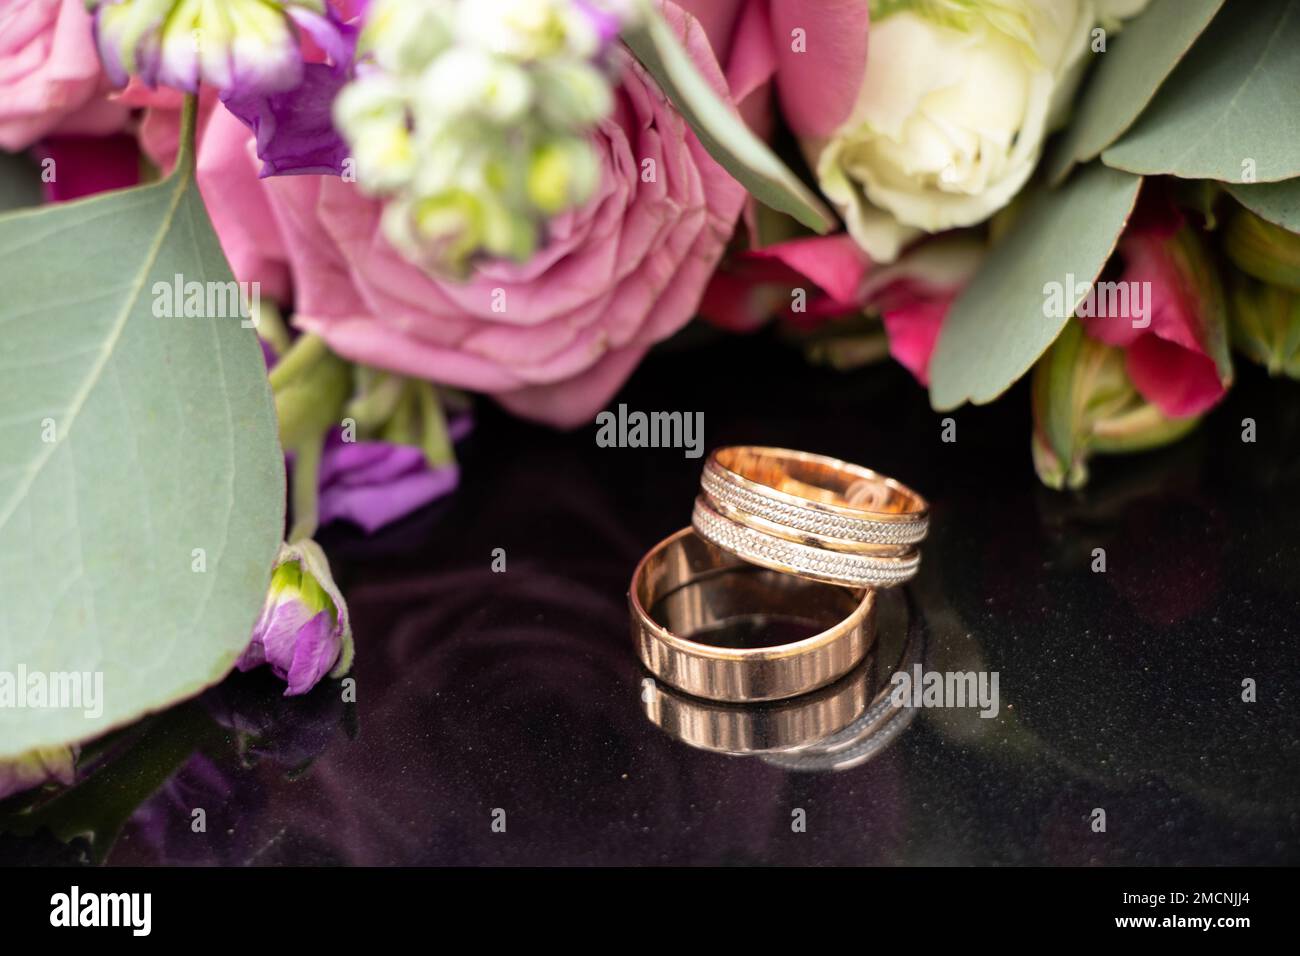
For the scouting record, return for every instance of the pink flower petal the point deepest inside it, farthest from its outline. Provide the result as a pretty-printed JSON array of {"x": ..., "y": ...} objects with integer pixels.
[
  {"x": 819, "y": 87},
  {"x": 1179, "y": 381},
  {"x": 913, "y": 332}
]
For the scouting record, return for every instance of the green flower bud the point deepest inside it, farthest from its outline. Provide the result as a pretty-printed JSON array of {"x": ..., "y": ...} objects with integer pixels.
[
  {"x": 304, "y": 631},
  {"x": 562, "y": 173},
  {"x": 448, "y": 225},
  {"x": 573, "y": 94},
  {"x": 1084, "y": 403},
  {"x": 1265, "y": 325},
  {"x": 1259, "y": 248}
]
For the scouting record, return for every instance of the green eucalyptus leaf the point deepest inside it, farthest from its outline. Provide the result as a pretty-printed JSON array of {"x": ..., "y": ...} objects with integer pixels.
[
  {"x": 999, "y": 326},
  {"x": 20, "y": 182},
  {"x": 1279, "y": 203},
  {"x": 720, "y": 130},
  {"x": 141, "y": 483},
  {"x": 1127, "y": 74},
  {"x": 1228, "y": 112}
]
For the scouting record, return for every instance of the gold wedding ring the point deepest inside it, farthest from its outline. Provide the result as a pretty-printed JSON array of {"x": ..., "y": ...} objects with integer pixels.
[
  {"x": 811, "y": 516},
  {"x": 690, "y": 600}
]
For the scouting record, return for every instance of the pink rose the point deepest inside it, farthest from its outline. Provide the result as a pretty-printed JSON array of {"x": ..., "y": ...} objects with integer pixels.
[
  {"x": 50, "y": 77},
  {"x": 552, "y": 339},
  {"x": 1176, "y": 354}
]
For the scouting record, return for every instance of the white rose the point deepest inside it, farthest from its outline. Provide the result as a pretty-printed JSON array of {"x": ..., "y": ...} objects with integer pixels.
[{"x": 955, "y": 103}]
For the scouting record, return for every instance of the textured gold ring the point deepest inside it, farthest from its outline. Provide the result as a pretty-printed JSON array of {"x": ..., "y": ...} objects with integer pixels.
[
  {"x": 696, "y": 607},
  {"x": 811, "y": 515}
]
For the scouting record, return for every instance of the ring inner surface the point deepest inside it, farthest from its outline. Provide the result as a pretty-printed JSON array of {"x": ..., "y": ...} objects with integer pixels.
[
  {"x": 818, "y": 481},
  {"x": 701, "y": 594}
]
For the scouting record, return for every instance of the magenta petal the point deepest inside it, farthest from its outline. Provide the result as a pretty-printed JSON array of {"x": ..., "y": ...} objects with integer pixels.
[
  {"x": 294, "y": 130},
  {"x": 87, "y": 165},
  {"x": 913, "y": 333},
  {"x": 1179, "y": 381},
  {"x": 835, "y": 263}
]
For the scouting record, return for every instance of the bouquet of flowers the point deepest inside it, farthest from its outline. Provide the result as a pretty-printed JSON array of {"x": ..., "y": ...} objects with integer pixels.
[{"x": 261, "y": 255}]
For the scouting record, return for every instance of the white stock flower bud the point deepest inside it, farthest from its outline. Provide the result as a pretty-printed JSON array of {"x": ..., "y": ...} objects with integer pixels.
[
  {"x": 573, "y": 94},
  {"x": 528, "y": 29},
  {"x": 466, "y": 81},
  {"x": 406, "y": 35},
  {"x": 371, "y": 112}
]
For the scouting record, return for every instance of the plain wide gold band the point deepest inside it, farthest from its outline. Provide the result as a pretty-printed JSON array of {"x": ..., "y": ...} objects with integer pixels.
[{"x": 685, "y": 585}]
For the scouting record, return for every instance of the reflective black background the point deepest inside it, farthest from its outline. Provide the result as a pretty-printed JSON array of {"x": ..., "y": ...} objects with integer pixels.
[{"x": 519, "y": 690}]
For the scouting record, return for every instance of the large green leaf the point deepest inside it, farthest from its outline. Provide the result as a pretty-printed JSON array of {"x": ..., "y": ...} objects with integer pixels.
[
  {"x": 1279, "y": 203},
  {"x": 141, "y": 483},
  {"x": 1126, "y": 76},
  {"x": 1228, "y": 112},
  {"x": 720, "y": 130},
  {"x": 998, "y": 328},
  {"x": 20, "y": 182}
]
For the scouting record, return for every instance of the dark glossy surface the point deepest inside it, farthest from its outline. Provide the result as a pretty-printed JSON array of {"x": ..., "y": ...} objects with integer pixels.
[{"x": 519, "y": 690}]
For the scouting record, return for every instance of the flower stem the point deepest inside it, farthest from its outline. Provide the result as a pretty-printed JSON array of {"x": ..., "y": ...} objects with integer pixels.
[
  {"x": 436, "y": 439},
  {"x": 377, "y": 403},
  {"x": 271, "y": 327},
  {"x": 305, "y": 489},
  {"x": 302, "y": 355},
  {"x": 185, "y": 157}
]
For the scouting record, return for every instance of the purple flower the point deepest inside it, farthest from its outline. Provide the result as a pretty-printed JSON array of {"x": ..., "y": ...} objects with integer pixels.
[
  {"x": 303, "y": 632},
  {"x": 374, "y": 483},
  {"x": 251, "y": 51},
  {"x": 607, "y": 19},
  {"x": 294, "y": 130}
]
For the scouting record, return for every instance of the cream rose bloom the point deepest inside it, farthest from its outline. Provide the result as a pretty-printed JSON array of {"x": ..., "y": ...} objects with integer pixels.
[{"x": 956, "y": 100}]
